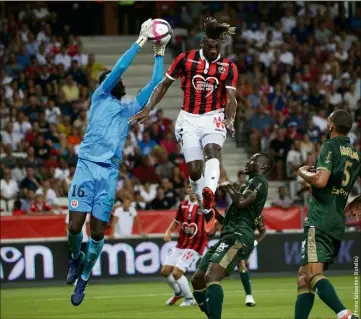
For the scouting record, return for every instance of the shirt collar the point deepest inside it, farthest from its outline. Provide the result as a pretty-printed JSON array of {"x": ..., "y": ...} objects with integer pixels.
[{"x": 203, "y": 57}]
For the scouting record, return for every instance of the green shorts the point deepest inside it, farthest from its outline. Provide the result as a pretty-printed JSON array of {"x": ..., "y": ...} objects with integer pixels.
[
  {"x": 228, "y": 252},
  {"x": 318, "y": 247}
]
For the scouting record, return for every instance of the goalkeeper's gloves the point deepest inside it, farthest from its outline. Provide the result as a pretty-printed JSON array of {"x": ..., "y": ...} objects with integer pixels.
[
  {"x": 159, "y": 49},
  {"x": 144, "y": 31}
]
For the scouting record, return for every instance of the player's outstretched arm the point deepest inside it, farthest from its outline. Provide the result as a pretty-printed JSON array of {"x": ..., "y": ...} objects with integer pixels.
[
  {"x": 219, "y": 216},
  {"x": 126, "y": 59},
  {"x": 174, "y": 72}
]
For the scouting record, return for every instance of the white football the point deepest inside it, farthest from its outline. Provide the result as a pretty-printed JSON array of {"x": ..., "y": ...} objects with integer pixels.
[{"x": 160, "y": 32}]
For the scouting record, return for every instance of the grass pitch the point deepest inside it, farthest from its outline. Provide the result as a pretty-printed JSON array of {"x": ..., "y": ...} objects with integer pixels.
[{"x": 275, "y": 298}]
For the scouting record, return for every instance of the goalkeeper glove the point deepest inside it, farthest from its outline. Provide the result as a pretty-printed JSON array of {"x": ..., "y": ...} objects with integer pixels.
[{"x": 143, "y": 34}]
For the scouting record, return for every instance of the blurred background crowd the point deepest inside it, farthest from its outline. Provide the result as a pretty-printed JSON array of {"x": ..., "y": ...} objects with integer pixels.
[{"x": 298, "y": 61}]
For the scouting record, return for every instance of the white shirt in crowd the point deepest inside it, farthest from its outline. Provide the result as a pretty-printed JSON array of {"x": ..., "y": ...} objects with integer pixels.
[
  {"x": 148, "y": 197},
  {"x": 87, "y": 220},
  {"x": 41, "y": 13},
  {"x": 81, "y": 58},
  {"x": 41, "y": 58},
  {"x": 288, "y": 23},
  {"x": 61, "y": 173},
  {"x": 12, "y": 138},
  {"x": 50, "y": 197},
  {"x": 287, "y": 58},
  {"x": 124, "y": 225},
  {"x": 52, "y": 115},
  {"x": 21, "y": 128},
  {"x": 63, "y": 59},
  {"x": 8, "y": 190},
  {"x": 43, "y": 38},
  {"x": 335, "y": 98},
  {"x": 266, "y": 58},
  {"x": 351, "y": 100},
  {"x": 320, "y": 122}
]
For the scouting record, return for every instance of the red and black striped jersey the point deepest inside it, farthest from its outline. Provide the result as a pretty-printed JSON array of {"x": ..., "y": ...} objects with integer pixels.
[
  {"x": 191, "y": 220},
  {"x": 204, "y": 83}
]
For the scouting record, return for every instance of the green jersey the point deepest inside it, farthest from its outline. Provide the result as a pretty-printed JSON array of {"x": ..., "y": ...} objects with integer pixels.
[
  {"x": 243, "y": 221},
  {"x": 326, "y": 206}
]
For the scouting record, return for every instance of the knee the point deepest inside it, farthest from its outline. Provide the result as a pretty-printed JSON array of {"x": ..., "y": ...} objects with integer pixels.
[
  {"x": 166, "y": 271},
  {"x": 242, "y": 266},
  {"x": 302, "y": 279},
  {"x": 209, "y": 278},
  {"x": 197, "y": 281},
  {"x": 74, "y": 227},
  {"x": 97, "y": 235},
  {"x": 177, "y": 273}
]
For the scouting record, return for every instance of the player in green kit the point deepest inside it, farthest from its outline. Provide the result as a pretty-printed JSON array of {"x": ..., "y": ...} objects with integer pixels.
[
  {"x": 337, "y": 168},
  {"x": 237, "y": 235},
  {"x": 243, "y": 268}
]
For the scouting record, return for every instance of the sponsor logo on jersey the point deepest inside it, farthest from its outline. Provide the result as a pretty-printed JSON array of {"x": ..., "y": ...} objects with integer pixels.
[
  {"x": 194, "y": 61},
  {"x": 202, "y": 84}
]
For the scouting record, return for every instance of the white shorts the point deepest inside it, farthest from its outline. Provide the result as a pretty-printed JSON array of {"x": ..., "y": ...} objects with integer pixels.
[
  {"x": 181, "y": 258},
  {"x": 194, "y": 131}
]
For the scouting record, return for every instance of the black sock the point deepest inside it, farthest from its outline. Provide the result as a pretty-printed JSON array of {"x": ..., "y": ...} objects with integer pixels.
[
  {"x": 304, "y": 304},
  {"x": 328, "y": 295}
]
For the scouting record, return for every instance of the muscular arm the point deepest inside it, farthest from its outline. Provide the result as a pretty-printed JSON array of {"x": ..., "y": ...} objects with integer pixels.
[
  {"x": 219, "y": 216},
  {"x": 317, "y": 179},
  {"x": 159, "y": 93},
  {"x": 241, "y": 200},
  {"x": 261, "y": 233},
  {"x": 231, "y": 106},
  {"x": 172, "y": 227}
]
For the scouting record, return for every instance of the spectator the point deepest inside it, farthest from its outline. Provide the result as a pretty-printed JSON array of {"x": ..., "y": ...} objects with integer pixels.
[
  {"x": 27, "y": 201},
  {"x": 284, "y": 201},
  {"x": 294, "y": 159},
  {"x": 48, "y": 193},
  {"x": 8, "y": 187},
  {"x": 352, "y": 98},
  {"x": 77, "y": 73},
  {"x": 93, "y": 68},
  {"x": 320, "y": 120},
  {"x": 241, "y": 178},
  {"x": 10, "y": 137},
  {"x": 9, "y": 160},
  {"x": 21, "y": 126},
  {"x": 39, "y": 206},
  {"x": 279, "y": 149},
  {"x": 70, "y": 89},
  {"x": 164, "y": 168},
  {"x": 160, "y": 202},
  {"x": 178, "y": 179},
  {"x": 306, "y": 147},
  {"x": 146, "y": 145},
  {"x": 63, "y": 58},
  {"x": 123, "y": 220},
  {"x": 44, "y": 36},
  {"x": 169, "y": 192},
  {"x": 31, "y": 181},
  {"x": 169, "y": 143},
  {"x": 17, "y": 210},
  {"x": 145, "y": 172},
  {"x": 147, "y": 192}
]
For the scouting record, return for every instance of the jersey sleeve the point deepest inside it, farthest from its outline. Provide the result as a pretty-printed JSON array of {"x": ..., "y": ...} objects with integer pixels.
[
  {"x": 324, "y": 160},
  {"x": 232, "y": 77},
  {"x": 179, "y": 215},
  {"x": 119, "y": 68},
  {"x": 255, "y": 186},
  {"x": 177, "y": 68}
]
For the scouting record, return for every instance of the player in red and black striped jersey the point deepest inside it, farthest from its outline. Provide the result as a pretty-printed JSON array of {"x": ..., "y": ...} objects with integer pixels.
[
  {"x": 209, "y": 83},
  {"x": 191, "y": 243}
]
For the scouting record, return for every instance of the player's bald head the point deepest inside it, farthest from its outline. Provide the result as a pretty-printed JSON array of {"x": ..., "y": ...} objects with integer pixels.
[{"x": 342, "y": 121}]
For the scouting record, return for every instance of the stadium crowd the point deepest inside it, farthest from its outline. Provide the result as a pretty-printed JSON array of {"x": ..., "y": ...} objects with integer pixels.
[{"x": 298, "y": 61}]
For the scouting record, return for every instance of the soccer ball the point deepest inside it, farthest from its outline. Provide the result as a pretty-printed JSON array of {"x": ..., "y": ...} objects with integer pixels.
[{"x": 160, "y": 31}]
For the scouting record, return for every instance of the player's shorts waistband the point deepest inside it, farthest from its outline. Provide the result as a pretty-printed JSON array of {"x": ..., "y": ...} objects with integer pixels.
[{"x": 204, "y": 114}]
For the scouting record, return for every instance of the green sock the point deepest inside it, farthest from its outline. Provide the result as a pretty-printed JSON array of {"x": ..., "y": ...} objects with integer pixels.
[
  {"x": 74, "y": 241},
  {"x": 214, "y": 299},
  {"x": 200, "y": 297},
  {"x": 93, "y": 252},
  {"x": 246, "y": 281},
  {"x": 304, "y": 304},
  {"x": 328, "y": 295}
]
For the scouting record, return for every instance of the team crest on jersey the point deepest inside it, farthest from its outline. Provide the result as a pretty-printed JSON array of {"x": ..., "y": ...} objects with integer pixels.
[
  {"x": 74, "y": 203},
  {"x": 191, "y": 229},
  {"x": 221, "y": 69},
  {"x": 202, "y": 84}
]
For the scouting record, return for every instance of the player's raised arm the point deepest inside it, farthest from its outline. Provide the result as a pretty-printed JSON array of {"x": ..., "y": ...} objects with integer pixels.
[
  {"x": 174, "y": 72},
  {"x": 261, "y": 230},
  {"x": 231, "y": 106},
  {"x": 126, "y": 59}
]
